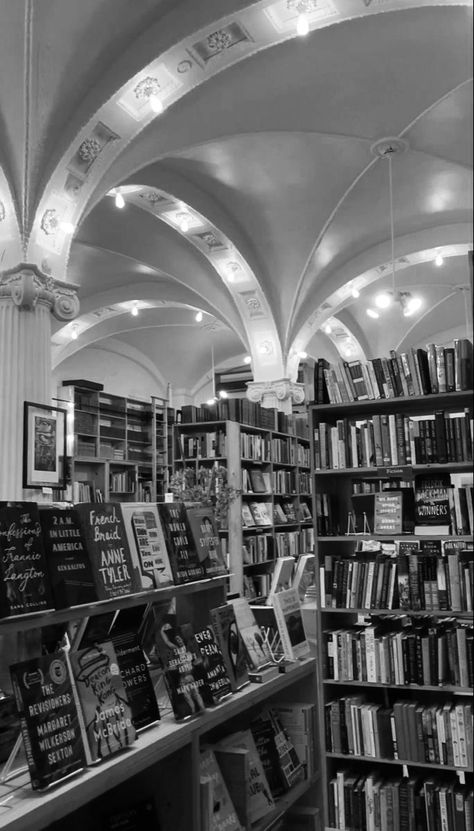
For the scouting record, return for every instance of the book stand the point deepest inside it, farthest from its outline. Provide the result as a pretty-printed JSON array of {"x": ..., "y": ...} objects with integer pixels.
[
  {"x": 9, "y": 770},
  {"x": 351, "y": 526}
]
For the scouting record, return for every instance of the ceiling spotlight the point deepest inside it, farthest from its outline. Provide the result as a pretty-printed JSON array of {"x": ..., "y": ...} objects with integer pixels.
[
  {"x": 327, "y": 329},
  {"x": 372, "y": 313},
  {"x": 156, "y": 104},
  {"x": 119, "y": 200},
  {"x": 411, "y": 305},
  {"x": 302, "y": 355},
  {"x": 247, "y": 359},
  {"x": 198, "y": 317},
  {"x": 439, "y": 260},
  {"x": 68, "y": 227},
  {"x": 302, "y": 25},
  {"x": 74, "y": 333},
  {"x": 210, "y": 402},
  {"x": 355, "y": 292},
  {"x": 134, "y": 311},
  {"x": 383, "y": 300},
  {"x": 223, "y": 394}
]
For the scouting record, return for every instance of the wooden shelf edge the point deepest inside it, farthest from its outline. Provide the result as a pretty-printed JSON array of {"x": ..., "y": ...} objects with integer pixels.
[{"x": 399, "y": 762}]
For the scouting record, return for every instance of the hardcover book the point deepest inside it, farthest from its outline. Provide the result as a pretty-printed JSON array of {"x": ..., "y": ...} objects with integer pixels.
[
  {"x": 216, "y": 672},
  {"x": 147, "y": 544},
  {"x": 258, "y": 654},
  {"x": 288, "y": 615},
  {"x": 104, "y": 709},
  {"x": 112, "y": 567},
  {"x": 282, "y": 577},
  {"x": 184, "y": 669},
  {"x": 219, "y": 813},
  {"x": 281, "y": 764},
  {"x": 231, "y": 644},
  {"x": 432, "y": 503},
  {"x": 184, "y": 559},
  {"x": 260, "y": 513},
  {"x": 24, "y": 583},
  {"x": 206, "y": 540},
  {"x": 305, "y": 574},
  {"x": 49, "y": 718},
  {"x": 136, "y": 678},
  {"x": 259, "y": 797},
  {"x": 257, "y": 481},
  {"x": 69, "y": 568}
]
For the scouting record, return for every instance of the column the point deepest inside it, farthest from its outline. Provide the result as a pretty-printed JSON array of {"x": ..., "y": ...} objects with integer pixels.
[
  {"x": 279, "y": 394},
  {"x": 28, "y": 297}
]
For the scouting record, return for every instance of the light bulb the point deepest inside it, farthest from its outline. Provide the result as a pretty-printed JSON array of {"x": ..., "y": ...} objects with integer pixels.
[
  {"x": 134, "y": 310},
  {"x": 223, "y": 394},
  {"x": 68, "y": 227},
  {"x": 247, "y": 359},
  {"x": 198, "y": 317},
  {"x": 355, "y": 293},
  {"x": 327, "y": 329},
  {"x": 210, "y": 402},
  {"x": 156, "y": 104},
  {"x": 119, "y": 200},
  {"x": 74, "y": 333},
  {"x": 302, "y": 25},
  {"x": 302, "y": 355},
  {"x": 439, "y": 260},
  {"x": 372, "y": 313},
  {"x": 383, "y": 300},
  {"x": 184, "y": 225},
  {"x": 412, "y": 305}
]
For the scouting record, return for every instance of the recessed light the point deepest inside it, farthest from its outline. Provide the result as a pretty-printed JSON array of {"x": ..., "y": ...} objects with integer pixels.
[
  {"x": 198, "y": 317},
  {"x": 372, "y": 313},
  {"x": 247, "y": 359},
  {"x": 355, "y": 292},
  {"x": 302, "y": 25},
  {"x": 383, "y": 300},
  {"x": 156, "y": 104},
  {"x": 327, "y": 329},
  {"x": 439, "y": 260},
  {"x": 119, "y": 200}
]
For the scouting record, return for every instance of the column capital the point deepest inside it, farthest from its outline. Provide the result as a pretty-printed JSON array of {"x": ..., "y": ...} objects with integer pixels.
[
  {"x": 280, "y": 394},
  {"x": 27, "y": 286}
]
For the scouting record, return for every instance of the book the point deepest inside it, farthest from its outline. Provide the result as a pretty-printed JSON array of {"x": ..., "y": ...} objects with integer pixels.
[
  {"x": 257, "y": 652},
  {"x": 304, "y": 575},
  {"x": 24, "y": 580},
  {"x": 282, "y": 576},
  {"x": 257, "y": 481},
  {"x": 228, "y": 637},
  {"x": 69, "y": 567},
  {"x": 216, "y": 673},
  {"x": 432, "y": 504},
  {"x": 147, "y": 544},
  {"x": 281, "y": 764},
  {"x": 247, "y": 516},
  {"x": 287, "y": 607},
  {"x": 140, "y": 816},
  {"x": 185, "y": 563},
  {"x": 259, "y": 798},
  {"x": 260, "y": 513},
  {"x": 104, "y": 710},
  {"x": 107, "y": 546},
  {"x": 49, "y": 718},
  {"x": 135, "y": 676},
  {"x": 219, "y": 814},
  {"x": 203, "y": 532},
  {"x": 184, "y": 670},
  {"x": 299, "y": 720}
]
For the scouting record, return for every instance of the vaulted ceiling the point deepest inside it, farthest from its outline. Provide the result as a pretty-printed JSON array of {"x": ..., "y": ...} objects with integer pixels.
[{"x": 256, "y": 195}]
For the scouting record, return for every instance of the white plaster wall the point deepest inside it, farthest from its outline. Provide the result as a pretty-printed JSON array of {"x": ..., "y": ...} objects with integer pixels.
[{"x": 119, "y": 375}]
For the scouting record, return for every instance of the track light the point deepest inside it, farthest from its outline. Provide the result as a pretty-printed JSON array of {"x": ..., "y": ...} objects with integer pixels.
[
  {"x": 223, "y": 394},
  {"x": 302, "y": 355},
  {"x": 156, "y": 104},
  {"x": 327, "y": 329},
  {"x": 355, "y": 293},
  {"x": 302, "y": 25},
  {"x": 247, "y": 359},
  {"x": 74, "y": 333},
  {"x": 119, "y": 200},
  {"x": 439, "y": 260},
  {"x": 198, "y": 317},
  {"x": 134, "y": 310},
  {"x": 68, "y": 227},
  {"x": 383, "y": 300},
  {"x": 372, "y": 313}
]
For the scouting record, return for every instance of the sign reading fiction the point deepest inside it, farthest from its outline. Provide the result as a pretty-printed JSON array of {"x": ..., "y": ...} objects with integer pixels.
[{"x": 388, "y": 513}]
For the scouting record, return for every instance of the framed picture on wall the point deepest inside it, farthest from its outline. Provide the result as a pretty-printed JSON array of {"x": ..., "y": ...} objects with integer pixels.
[{"x": 44, "y": 446}]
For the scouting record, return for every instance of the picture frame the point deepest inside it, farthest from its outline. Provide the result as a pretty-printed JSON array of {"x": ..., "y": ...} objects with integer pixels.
[{"x": 44, "y": 446}]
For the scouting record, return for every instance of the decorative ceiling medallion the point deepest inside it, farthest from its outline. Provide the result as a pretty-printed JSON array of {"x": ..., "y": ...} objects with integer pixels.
[
  {"x": 265, "y": 347},
  {"x": 184, "y": 66},
  {"x": 3, "y": 212},
  {"x": 50, "y": 222},
  {"x": 284, "y": 13},
  {"x": 90, "y": 149},
  {"x": 73, "y": 185},
  {"x": 153, "y": 197},
  {"x": 183, "y": 219},
  {"x": 210, "y": 240},
  {"x": 219, "y": 41},
  {"x": 149, "y": 86},
  {"x": 253, "y": 304}
]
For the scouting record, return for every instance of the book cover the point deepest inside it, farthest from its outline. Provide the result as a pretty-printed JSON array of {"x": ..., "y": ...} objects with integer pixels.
[
  {"x": 183, "y": 556},
  {"x": 136, "y": 678},
  {"x": 183, "y": 666},
  {"x": 432, "y": 503},
  {"x": 288, "y": 615},
  {"x": 259, "y": 796},
  {"x": 257, "y": 652},
  {"x": 282, "y": 577},
  {"x": 220, "y": 813},
  {"x": 231, "y": 644},
  {"x": 147, "y": 544},
  {"x": 69, "y": 568},
  {"x": 281, "y": 764},
  {"x": 257, "y": 481},
  {"x": 204, "y": 534},
  {"x": 105, "y": 712},
  {"x": 279, "y": 516},
  {"x": 24, "y": 581},
  {"x": 49, "y": 718},
  {"x": 107, "y": 546},
  {"x": 213, "y": 659},
  {"x": 247, "y": 516},
  {"x": 305, "y": 574},
  {"x": 260, "y": 513}
]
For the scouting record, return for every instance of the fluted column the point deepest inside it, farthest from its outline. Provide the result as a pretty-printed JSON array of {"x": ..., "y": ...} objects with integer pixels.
[
  {"x": 279, "y": 394},
  {"x": 27, "y": 299}
]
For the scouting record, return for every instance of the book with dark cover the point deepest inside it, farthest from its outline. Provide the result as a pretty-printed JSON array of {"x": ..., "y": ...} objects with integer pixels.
[
  {"x": 69, "y": 567},
  {"x": 183, "y": 666},
  {"x": 231, "y": 644},
  {"x": 216, "y": 672},
  {"x": 49, "y": 718},
  {"x": 219, "y": 813},
  {"x": 184, "y": 559},
  {"x": 432, "y": 502},
  {"x": 141, "y": 816},
  {"x": 24, "y": 582},
  {"x": 277, "y": 753},
  {"x": 147, "y": 544},
  {"x": 257, "y": 481},
  {"x": 136, "y": 678},
  {"x": 108, "y": 550},
  {"x": 105, "y": 713},
  {"x": 206, "y": 540}
]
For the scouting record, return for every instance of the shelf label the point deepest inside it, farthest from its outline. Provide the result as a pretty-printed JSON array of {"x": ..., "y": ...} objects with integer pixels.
[
  {"x": 462, "y": 778},
  {"x": 405, "y": 771},
  {"x": 399, "y": 472},
  {"x": 388, "y": 510}
]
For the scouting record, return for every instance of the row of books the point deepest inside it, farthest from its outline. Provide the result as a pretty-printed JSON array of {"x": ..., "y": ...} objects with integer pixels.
[
  {"x": 393, "y": 439},
  {"x": 86, "y": 492},
  {"x": 255, "y": 480},
  {"x": 122, "y": 482},
  {"x": 431, "y": 575},
  {"x": 431, "y": 652},
  {"x": 98, "y": 551},
  {"x": 255, "y": 447},
  {"x": 294, "y": 543},
  {"x": 416, "y": 372},
  {"x": 206, "y": 444},
  {"x": 286, "y": 573},
  {"x": 246, "y": 412},
  {"x": 409, "y": 731},
  {"x": 372, "y": 802}
]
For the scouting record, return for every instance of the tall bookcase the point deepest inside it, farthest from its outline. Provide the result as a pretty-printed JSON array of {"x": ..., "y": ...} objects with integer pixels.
[
  {"x": 280, "y": 461},
  {"x": 118, "y": 447},
  {"x": 394, "y": 658}
]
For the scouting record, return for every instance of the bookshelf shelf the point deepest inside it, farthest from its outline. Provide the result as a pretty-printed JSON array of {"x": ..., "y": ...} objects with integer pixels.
[
  {"x": 397, "y": 612},
  {"x": 441, "y": 688},
  {"x": 399, "y": 762}
]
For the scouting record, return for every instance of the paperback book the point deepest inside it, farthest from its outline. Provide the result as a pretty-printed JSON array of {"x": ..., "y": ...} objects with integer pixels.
[
  {"x": 228, "y": 637},
  {"x": 69, "y": 567},
  {"x": 259, "y": 799},
  {"x": 305, "y": 574},
  {"x": 24, "y": 583},
  {"x": 49, "y": 719},
  {"x": 136, "y": 678},
  {"x": 206, "y": 540},
  {"x": 257, "y": 652},
  {"x": 218, "y": 812},
  {"x": 282, "y": 577},
  {"x": 281, "y": 764},
  {"x": 185, "y": 563},
  {"x": 433, "y": 498},
  {"x": 147, "y": 544},
  {"x": 184, "y": 669},
  {"x": 287, "y": 607},
  {"x": 213, "y": 660}
]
